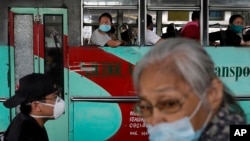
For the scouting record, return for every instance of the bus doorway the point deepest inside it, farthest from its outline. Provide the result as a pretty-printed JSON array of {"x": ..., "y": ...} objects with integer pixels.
[{"x": 37, "y": 44}]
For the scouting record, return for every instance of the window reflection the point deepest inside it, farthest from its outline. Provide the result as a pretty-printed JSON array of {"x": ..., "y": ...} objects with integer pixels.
[{"x": 53, "y": 61}]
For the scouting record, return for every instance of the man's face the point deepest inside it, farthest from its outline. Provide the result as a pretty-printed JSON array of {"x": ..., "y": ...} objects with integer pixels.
[{"x": 50, "y": 99}]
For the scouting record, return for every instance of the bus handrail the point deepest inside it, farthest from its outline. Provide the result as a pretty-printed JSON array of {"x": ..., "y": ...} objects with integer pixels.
[
  {"x": 110, "y": 7},
  {"x": 3, "y": 99},
  {"x": 115, "y": 99},
  {"x": 243, "y": 98},
  {"x": 110, "y": 99}
]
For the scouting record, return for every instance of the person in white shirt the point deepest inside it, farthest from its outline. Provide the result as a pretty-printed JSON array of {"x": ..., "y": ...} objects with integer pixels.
[
  {"x": 151, "y": 38},
  {"x": 100, "y": 36}
]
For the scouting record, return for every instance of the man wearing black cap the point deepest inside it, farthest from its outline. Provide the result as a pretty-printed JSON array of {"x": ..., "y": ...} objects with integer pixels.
[{"x": 39, "y": 102}]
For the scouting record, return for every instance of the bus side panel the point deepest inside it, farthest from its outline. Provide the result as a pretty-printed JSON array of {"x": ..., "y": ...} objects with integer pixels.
[
  {"x": 94, "y": 72},
  {"x": 232, "y": 65},
  {"x": 4, "y": 87},
  {"x": 107, "y": 72}
]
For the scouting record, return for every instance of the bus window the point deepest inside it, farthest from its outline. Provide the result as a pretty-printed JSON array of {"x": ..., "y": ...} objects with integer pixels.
[
  {"x": 220, "y": 33},
  {"x": 53, "y": 63},
  {"x": 91, "y": 21},
  {"x": 175, "y": 20},
  {"x": 121, "y": 12}
]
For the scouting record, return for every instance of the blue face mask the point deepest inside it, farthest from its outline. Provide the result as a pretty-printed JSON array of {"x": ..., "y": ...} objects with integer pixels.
[
  {"x": 236, "y": 28},
  {"x": 104, "y": 27},
  {"x": 180, "y": 130}
]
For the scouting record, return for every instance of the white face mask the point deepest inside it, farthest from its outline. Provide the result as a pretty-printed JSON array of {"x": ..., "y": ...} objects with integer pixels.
[
  {"x": 59, "y": 108},
  {"x": 180, "y": 130}
]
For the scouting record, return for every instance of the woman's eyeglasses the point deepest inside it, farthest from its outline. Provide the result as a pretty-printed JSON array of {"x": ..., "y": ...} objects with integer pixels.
[{"x": 167, "y": 106}]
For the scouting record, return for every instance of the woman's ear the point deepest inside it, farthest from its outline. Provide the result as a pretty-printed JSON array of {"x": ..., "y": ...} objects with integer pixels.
[{"x": 215, "y": 94}]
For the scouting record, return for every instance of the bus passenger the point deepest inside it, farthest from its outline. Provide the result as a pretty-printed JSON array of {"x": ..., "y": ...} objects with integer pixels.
[
  {"x": 192, "y": 29},
  {"x": 101, "y": 35},
  {"x": 151, "y": 38},
  {"x": 181, "y": 98},
  {"x": 39, "y": 102},
  {"x": 171, "y": 32},
  {"x": 233, "y": 35}
]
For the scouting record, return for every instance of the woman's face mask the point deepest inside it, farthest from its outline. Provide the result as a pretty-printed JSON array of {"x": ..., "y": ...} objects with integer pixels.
[
  {"x": 180, "y": 130},
  {"x": 236, "y": 28},
  {"x": 104, "y": 27},
  {"x": 58, "y": 110}
]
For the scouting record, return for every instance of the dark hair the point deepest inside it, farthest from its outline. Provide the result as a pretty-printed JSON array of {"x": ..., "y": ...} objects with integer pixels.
[
  {"x": 25, "y": 109},
  {"x": 233, "y": 17},
  {"x": 106, "y": 15},
  {"x": 149, "y": 20},
  {"x": 196, "y": 15},
  {"x": 170, "y": 28},
  {"x": 230, "y": 100}
]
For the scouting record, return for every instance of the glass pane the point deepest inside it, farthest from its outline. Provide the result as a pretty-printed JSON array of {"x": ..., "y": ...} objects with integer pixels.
[
  {"x": 110, "y": 2},
  {"x": 173, "y": 21},
  {"x": 53, "y": 31},
  {"x": 23, "y": 41},
  {"x": 92, "y": 16},
  {"x": 230, "y": 2},
  {"x": 130, "y": 16},
  {"x": 53, "y": 26},
  {"x": 173, "y": 2},
  {"x": 218, "y": 20}
]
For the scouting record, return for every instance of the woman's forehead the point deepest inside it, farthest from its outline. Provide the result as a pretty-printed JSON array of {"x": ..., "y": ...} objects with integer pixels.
[
  {"x": 104, "y": 18},
  {"x": 162, "y": 81}
]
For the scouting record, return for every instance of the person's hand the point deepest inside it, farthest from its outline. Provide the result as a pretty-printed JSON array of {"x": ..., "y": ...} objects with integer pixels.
[
  {"x": 247, "y": 43},
  {"x": 214, "y": 44},
  {"x": 124, "y": 43}
]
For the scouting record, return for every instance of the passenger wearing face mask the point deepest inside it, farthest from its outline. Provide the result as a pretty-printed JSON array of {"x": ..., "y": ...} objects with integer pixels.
[
  {"x": 101, "y": 35},
  {"x": 233, "y": 34},
  {"x": 181, "y": 98},
  {"x": 39, "y": 102}
]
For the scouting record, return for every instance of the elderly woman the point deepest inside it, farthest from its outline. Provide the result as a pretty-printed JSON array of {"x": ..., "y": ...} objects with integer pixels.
[{"x": 181, "y": 98}]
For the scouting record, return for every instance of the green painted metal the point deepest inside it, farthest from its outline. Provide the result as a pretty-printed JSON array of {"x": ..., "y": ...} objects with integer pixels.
[
  {"x": 4, "y": 87},
  {"x": 24, "y": 10},
  {"x": 12, "y": 76}
]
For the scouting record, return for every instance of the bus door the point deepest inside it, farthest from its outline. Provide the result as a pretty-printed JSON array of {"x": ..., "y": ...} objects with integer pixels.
[
  {"x": 4, "y": 89},
  {"x": 37, "y": 44}
]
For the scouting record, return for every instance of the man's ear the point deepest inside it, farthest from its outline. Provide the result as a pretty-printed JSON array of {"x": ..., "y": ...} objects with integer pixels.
[
  {"x": 215, "y": 94},
  {"x": 35, "y": 106}
]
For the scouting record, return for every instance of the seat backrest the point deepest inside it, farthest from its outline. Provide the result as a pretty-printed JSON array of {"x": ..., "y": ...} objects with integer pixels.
[
  {"x": 125, "y": 33},
  {"x": 223, "y": 38},
  {"x": 1, "y": 136}
]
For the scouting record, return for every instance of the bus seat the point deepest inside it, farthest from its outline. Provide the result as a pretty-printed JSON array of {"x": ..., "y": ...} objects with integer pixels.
[
  {"x": 125, "y": 33},
  {"x": 218, "y": 35},
  {"x": 246, "y": 33},
  {"x": 171, "y": 31}
]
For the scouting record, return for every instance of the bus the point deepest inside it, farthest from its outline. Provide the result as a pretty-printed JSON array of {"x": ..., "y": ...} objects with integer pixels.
[{"x": 95, "y": 81}]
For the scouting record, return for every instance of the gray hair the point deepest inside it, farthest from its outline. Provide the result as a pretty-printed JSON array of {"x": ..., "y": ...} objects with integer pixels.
[{"x": 189, "y": 58}]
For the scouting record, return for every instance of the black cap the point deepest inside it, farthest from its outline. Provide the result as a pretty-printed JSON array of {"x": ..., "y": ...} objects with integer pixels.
[{"x": 31, "y": 87}]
